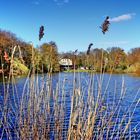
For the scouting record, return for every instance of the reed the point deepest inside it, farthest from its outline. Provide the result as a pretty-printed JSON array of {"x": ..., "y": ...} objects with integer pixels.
[{"x": 72, "y": 108}]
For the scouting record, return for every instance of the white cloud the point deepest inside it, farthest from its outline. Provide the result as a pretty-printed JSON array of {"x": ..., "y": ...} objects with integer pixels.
[
  {"x": 122, "y": 17},
  {"x": 61, "y": 2}
]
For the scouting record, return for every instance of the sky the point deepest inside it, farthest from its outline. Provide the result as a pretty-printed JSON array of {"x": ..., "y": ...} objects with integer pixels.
[{"x": 73, "y": 24}]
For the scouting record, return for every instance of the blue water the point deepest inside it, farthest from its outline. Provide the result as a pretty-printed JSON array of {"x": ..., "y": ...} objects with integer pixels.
[{"x": 110, "y": 96}]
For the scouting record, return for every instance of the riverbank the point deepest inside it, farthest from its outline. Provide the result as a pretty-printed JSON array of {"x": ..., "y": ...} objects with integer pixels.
[{"x": 115, "y": 72}]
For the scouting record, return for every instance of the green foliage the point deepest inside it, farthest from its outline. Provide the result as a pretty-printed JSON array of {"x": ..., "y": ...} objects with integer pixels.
[
  {"x": 19, "y": 68},
  {"x": 50, "y": 57}
]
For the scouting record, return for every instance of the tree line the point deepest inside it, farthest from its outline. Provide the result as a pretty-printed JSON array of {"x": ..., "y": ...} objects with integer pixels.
[
  {"x": 42, "y": 58},
  {"x": 46, "y": 56},
  {"x": 113, "y": 59}
]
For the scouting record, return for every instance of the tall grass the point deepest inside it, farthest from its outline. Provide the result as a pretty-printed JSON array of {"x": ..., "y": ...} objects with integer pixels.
[{"x": 71, "y": 108}]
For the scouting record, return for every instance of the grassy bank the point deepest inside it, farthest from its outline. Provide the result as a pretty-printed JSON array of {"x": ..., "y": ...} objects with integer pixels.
[
  {"x": 93, "y": 71},
  {"x": 79, "y": 70},
  {"x": 117, "y": 71}
]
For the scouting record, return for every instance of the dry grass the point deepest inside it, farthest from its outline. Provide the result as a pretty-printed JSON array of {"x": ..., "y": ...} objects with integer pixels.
[{"x": 67, "y": 109}]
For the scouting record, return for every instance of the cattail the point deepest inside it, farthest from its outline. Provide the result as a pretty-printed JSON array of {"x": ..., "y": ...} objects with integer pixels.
[
  {"x": 105, "y": 25},
  {"x": 89, "y": 47},
  {"x": 119, "y": 57},
  {"x": 41, "y": 32},
  {"x": 75, "y": 52}
]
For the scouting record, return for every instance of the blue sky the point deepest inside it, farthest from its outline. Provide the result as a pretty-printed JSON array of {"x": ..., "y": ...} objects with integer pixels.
[{"x": 73, "y": 24}]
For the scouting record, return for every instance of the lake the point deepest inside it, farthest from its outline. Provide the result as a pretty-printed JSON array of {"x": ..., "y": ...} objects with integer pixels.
[{"x": 53, "y": 99}]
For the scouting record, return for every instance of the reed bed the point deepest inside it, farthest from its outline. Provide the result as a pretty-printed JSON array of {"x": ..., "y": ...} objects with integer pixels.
[
  {"x": 69, "y": 108},
  {"x": 76, "y": 107}
]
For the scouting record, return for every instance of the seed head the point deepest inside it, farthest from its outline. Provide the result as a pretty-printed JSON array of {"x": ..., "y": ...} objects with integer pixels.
[{"x": 41, "y": 32}]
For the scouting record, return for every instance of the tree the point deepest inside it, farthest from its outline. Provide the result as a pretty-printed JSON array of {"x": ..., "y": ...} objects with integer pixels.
[
  {"x": 116, "y": 58},
  {"x": 9, "y": 40},
  {"x": 133, "y": 60},
  {"x": 50, "y": 57},
  {"x": 96, "y": 59},
  {"x": 133, "y": 56},
  {"x": 22, "y": 52},
  {"x": 81, "y": 59}
]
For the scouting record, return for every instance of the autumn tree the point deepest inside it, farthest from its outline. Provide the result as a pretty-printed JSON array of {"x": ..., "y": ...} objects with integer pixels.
[
  {"x": 96, "y": 59},
  {"x": 9, "y": 40},
  {"x": 133, "y": 60},
  {"x": 133, "y": 56},
  {"x": 116, "y": 58},
  {"x": 49, "y": 57}
]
